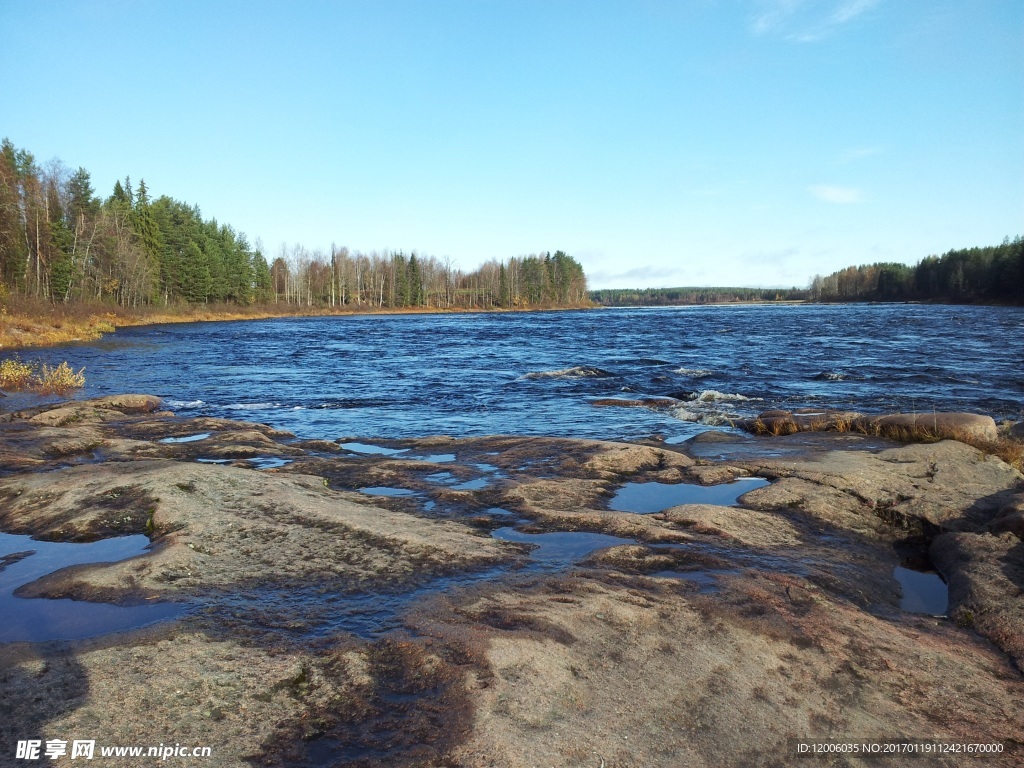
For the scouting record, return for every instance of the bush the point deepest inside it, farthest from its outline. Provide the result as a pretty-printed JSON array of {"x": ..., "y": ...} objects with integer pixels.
[
  {"x": 15, "y": 374},
  {"x": 59, "y": 379}
]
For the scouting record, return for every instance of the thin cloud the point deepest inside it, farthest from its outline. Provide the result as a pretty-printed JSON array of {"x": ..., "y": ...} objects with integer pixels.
[
  {"x": 836, "y": 195},
  {"x": 774, "y": 13},
  {"x": 637, "y": 274},
  {"x": 804, "y": 22},
  {"x": 850, "y": 10}
]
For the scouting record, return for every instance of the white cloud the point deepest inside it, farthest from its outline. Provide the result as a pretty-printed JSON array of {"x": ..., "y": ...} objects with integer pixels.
[{"x": 836, "y": 195}]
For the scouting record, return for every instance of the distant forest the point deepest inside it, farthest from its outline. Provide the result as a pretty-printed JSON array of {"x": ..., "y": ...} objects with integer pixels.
[
  {"x": 61, "y": 243},
  {"x": 663, "y": 297},
  {"x": 993, "y": 274}
]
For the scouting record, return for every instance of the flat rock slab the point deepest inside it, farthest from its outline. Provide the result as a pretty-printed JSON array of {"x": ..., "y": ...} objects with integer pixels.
[{"x": 326, "y": 626}]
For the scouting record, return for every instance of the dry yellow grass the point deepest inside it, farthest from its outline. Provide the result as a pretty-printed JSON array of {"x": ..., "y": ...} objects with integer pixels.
[{"x": 26, "y": 324}]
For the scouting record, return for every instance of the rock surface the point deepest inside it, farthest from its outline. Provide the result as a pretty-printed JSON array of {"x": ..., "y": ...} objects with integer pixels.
[
  {"x": 327, "y": 626},
  {"x": 934, "y": 425}
]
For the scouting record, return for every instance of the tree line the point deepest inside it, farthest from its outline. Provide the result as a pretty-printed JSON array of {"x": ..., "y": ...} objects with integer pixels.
[
  {"x": 60, "y": 242},
  {"x": 394, "y": 279},
  {"x": 993, "y": 274},
  {"x": 664, "y": 297}
]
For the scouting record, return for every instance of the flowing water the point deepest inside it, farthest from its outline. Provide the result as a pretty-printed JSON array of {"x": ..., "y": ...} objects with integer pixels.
[{"x": 538, "y": 373}]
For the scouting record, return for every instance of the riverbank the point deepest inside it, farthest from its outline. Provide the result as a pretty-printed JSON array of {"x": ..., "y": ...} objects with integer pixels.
[
  {"x": 25, "y": 325},
  {"x": 515, "y": 601}
]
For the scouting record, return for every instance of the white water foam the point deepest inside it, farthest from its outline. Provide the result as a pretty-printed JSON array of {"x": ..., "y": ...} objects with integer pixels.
[
  {"x": 714, "y": 396},
  {"x": 184, "y": 403},
  {"x": 576, "y": 372},
  {"x": 705, "y": 407},
  {"x": 710, "y": 417},
  {"x": 695, "y": 373}
]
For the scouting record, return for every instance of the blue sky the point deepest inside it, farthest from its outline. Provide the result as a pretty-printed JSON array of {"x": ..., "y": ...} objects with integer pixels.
[{"x": 737, "y": 142}]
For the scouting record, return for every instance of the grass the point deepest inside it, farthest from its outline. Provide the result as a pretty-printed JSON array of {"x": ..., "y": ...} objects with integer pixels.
[{"x": 16, "y": 375}]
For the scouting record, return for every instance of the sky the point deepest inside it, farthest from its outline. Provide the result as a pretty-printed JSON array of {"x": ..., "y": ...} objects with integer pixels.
[{"x": 661, "y": 143}]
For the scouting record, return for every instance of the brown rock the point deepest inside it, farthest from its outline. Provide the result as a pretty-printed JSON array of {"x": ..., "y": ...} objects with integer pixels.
[{"x": 940, "y": 425}]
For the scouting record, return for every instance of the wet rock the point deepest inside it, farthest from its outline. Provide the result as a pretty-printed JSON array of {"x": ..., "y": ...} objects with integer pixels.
[{"x": 713, "y": 436}]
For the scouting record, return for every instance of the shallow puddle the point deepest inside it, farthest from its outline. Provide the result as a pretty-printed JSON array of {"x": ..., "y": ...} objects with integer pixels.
[
  {"x": 367, "y": 448},
  {"x": 498, "y": 512},
  {"x": 645, "y": 498},
  {"x": 450, "y": 480},
  {"x": 435, "y": 458},
  {"x": 41, "y": 619},
  {"x": 268, "y": 462},
  {"x": 560, "y": 548},
  {"x": 186, "y": 438},
  {"x": 383, "y": 490},
  {"x": 923, "y": 592}
]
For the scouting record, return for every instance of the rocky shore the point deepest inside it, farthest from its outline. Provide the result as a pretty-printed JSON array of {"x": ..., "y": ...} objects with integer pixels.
[{"x": 496, "y": 602}]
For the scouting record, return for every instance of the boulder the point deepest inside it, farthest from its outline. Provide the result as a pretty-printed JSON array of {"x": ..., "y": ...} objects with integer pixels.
[
  {"x": 127, "y": 403},
  {"x": 941, "y": 425}
]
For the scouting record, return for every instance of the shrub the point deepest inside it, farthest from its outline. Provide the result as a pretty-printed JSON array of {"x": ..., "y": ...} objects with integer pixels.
[
  {"x": 59, "y": 379},
  {"x": 14, "y": 374}
]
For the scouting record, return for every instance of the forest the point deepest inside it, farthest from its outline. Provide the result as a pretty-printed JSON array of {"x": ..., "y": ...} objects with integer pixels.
[
  {"x": 992, "y": 274},
  {"x": 663, "y": 297},
  {"x": 60, "y": 243}
]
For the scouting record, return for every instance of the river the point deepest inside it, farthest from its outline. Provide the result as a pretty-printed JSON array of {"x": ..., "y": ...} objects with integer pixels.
[{"x": 537, "y": 373}]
